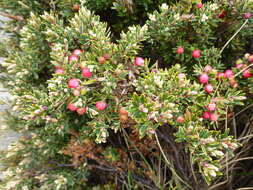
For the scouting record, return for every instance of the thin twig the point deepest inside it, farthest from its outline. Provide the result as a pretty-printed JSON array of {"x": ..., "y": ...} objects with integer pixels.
[
  {"x": 103, "y": 168},
  {"x": 245, "y": 137},
  {"x": 194, "y": 176},
  {"x": 175, "y": 149},
  {"x": 251, "y": 105},
  {"x": 233, "y": 36},
  {"x": 226, "y": 127},
  {"x": 234, "y": 126},
  {"x": 169, "y": 164},
  {"x": 19, "y": 18},
  {"x": 243, "y": 70},
  {"x": 217, "y": 185},
  {"x": 240, "y": 159}
]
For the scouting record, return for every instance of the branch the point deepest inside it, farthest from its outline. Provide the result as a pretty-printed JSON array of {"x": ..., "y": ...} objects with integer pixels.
[{"x": 19, "y": 18}]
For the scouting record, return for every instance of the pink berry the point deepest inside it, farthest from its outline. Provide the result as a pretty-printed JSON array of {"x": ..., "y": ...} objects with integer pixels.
[
  {"x": 196, "y": 53},
  {"x": 203, "y": 78},
  {"x": 229, "y": 73},
  {"x": 77, "y": 52},
  {"x": 211, "y": 107},
  {"x": 199, "y": 5},
  {"x": 247, "y": 15},
  {"x": 101, "y": 105},
  {"x": 239, "y": 66},
  {"x": 180, "y": 50},
  {"x": 180, "y": 119},
  {"x": 73, "y": 83},
  {"x": 208, "y": 68},
  {"x": 213, "y": 117},
  {"x": 209, "y": 88},
  {"x": 215, "y": 100},
  {"x": 250, "y": 59},
  {"x": 59, "y": 71},
  {"x": 71, "y": 107},
  {"x": 181, "y": 76},
  {"x": 206, "y": 115},
  {"x": 73, "y": 58},
  {"x": 76, "y": 92},
  {"x": 86, "y": 73},
  {"x": 107, "y": 56},
  {"x": 81, "y": 111},
  {"x": 139, "y": 61},
  {"x": 247, "y": 73},
  {"x": 220, "y": 75}
]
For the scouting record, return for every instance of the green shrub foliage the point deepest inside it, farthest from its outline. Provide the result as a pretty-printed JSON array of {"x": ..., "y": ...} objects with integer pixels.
[{"x": 125, "y": 94}]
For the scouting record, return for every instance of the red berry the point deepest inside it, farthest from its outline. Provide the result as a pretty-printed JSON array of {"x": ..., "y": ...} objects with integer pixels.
[
  {"x": 77, "y": 52},
  {"x": 57, "y": 67},
  {"x": 209, "y": 88},
  {"x": 59, "y": 71},
  {"x": 139, "y": 61},
  {"x": 180, "y": 119},
  {"x": 101, "y": 60},
  {"x": 86, "y": 73},
  {"x": 76, "y": 7},
  {"x": 101, "y": 105},
  {"x": 211, "y": 107},
  {"x": 247, "y": 73},
  {"x": 203, "y": 78},
  {"x": 196, "y": 53},
  {"x": 229, "y": 73},
  {"x": 222, "y": 14},
  {"x": 208, "y": 68},
  {"x": 247, "y": 15},
  {"x": 213, "y": 117},
  {"x": 71, "y": 107},
  {"x": 250, "y": 59},
  {"x": 180, "y": 50},
  {"x": 73, "y": 58},
  {"x": 81, "y": 111},
  {"x": 73, "y": 83},
  {"x": 199, "y": 5},
  {"x": 206, "y": 115},
  {"x": 220, "y": 75}
]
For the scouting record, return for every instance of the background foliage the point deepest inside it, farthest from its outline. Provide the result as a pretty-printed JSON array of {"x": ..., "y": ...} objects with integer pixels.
[{"x": 151, "y": 132}]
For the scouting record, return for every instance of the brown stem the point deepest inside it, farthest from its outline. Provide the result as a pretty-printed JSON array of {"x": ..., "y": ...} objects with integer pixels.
[{"x": 19, "y": 18}]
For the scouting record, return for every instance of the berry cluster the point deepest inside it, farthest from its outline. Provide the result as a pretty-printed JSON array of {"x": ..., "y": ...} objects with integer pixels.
[
  {"x": 80, "y": 111},
  {"x": 228, "y": 75},
  {"x": 195, "y": 53},
  {"x": 204, "y": 79},
  {"x": 210, "y": 113},
  {"x": 74, "y": 83}
]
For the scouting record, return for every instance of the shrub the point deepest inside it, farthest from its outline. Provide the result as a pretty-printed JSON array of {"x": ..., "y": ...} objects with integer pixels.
[{"x": 90, "y": 105}]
